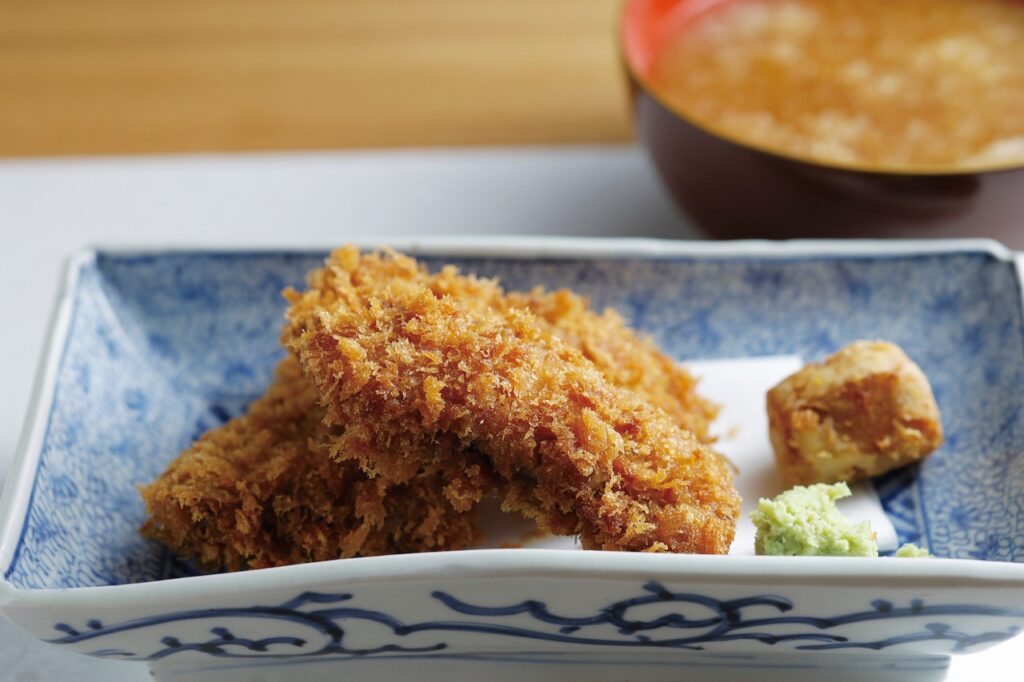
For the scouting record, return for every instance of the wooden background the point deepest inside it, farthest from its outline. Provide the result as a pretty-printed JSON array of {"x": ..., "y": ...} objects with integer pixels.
[{"x": 136, "y": 76}]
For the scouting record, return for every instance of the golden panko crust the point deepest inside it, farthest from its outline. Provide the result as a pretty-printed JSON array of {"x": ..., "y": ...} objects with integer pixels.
[
  {"x": 262, "y": 490},
  {"x": 625, "y": 358},
  {"x": 426, "y": 374}
]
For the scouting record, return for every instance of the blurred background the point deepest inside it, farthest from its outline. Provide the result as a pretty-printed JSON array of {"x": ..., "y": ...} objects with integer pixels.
[{"x": 124, "y": 77}]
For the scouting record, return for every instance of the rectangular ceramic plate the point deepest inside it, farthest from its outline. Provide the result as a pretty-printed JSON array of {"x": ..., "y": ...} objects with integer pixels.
[{"x": 149, "y": 350}]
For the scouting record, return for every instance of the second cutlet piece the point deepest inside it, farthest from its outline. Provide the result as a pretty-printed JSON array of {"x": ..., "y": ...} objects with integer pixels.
[
  {"x": 263, "y": 490},
  {"x": 426, "y": 377}
]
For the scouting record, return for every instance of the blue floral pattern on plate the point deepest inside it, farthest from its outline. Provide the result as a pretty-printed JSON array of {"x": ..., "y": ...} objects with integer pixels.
[
  {"x": 320, "y": 621},
  {"x": 162, "y": 347}
]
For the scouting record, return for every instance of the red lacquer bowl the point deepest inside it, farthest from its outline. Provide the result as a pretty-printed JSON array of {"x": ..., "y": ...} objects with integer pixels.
[{"x": 732, "y": 189}]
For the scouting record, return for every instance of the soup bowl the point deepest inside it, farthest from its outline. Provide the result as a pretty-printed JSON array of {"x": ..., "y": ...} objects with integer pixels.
[{"x": 732, "y": 188}]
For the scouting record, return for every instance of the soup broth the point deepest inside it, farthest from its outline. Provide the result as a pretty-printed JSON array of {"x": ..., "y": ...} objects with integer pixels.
[{"x": 883, "y": 83}]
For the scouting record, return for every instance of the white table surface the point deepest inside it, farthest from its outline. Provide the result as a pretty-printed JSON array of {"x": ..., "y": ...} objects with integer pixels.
[{"x": 50, "y": 208}]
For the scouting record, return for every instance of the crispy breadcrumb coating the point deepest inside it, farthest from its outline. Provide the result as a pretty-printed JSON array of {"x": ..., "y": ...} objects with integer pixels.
[
  {"x": 427, "y": 375},
  {"x": 262, "y": 490},
  {"x": 625, "y": 358}
]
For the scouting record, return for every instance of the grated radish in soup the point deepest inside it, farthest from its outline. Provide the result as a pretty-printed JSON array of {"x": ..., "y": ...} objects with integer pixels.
[{"x": 894, "y": 84}]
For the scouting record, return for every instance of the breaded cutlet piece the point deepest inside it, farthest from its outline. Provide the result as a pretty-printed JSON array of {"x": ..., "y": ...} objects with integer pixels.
[
  {"x": 262, "y": 490},
  {"x": 626, "y": 358},
  {"x": 427, "y": 376},
  {"x": 623, "y": 356}
]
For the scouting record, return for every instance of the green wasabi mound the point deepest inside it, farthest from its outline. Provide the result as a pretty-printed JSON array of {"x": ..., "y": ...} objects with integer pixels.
[
  {"x": 804, "y": 521},
  {"x": 912, "y": 551}
]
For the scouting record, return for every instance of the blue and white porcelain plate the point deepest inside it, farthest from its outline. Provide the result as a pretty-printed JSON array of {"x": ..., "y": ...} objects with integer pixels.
[{"x": 150, "y": 349}]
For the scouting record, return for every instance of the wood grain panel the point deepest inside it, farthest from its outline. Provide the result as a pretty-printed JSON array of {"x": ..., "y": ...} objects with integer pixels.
[{"x": 128, "y": 76}]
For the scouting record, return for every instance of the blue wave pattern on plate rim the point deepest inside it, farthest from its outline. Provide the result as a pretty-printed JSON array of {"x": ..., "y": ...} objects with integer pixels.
[
  {"x": 725, "y": 620},
  {"x": 162, "y": 347}
]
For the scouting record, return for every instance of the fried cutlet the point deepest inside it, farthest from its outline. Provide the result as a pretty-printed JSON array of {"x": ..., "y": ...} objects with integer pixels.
[
  {"x": 236, "y": 498},
  {"x": 422, "y": 374},
  {"x": 263, "y": 490}
]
